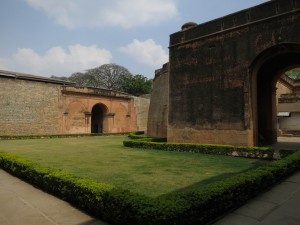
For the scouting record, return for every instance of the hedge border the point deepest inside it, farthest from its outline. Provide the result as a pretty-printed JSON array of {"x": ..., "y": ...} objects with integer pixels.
[
  {"x": 142, "y": 142},
  {"x": 41, "y": 136},
  {"x": 137, "y": 136},
  {"x": 118, "y": 206},
  {"x": 227, "y": 150}
]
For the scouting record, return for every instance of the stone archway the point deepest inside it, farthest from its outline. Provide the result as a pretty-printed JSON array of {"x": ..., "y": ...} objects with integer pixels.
[
  {"x": 98, "y": 123},
  {"x": 266, "y": 70}
]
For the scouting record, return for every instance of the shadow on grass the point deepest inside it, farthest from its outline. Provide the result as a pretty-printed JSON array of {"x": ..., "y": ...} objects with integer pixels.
[{"x": 211, "y": 180}]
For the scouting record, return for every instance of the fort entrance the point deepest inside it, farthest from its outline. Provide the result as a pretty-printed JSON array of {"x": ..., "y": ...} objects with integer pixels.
[
  {"x": 265, "y": 72},
  {"x": 223, "y": 75}
]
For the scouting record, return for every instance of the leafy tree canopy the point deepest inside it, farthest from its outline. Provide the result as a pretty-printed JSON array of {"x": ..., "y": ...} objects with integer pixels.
[
  {"x": 294, "y": 73},
  {"x": 83, "y": 79},
  {"x": 136, "y": 84},
  {"x": 113, "y": 77},
  {"x": 109, "y": 76}
]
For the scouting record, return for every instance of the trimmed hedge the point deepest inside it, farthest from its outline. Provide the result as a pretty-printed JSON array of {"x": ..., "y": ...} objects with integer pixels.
[
  {"x": 119, "y": 206},
  {"x": 41, "y": 136},
  {"x": 138, "y": 136},
  {"x": 227, "y": 150}
]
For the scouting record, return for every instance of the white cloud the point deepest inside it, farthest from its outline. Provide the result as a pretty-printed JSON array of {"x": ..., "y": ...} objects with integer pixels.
[
  {"x": 57, "y": 61},
  {"x": 146, "y": 52},
  {"x": 100, "y": 13}
]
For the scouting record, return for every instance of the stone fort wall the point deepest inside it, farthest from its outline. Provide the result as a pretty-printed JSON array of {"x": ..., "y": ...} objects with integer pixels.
[
  {"x": 39, "y": 105},
  {"x": 29, "y": 107},
  {"x": 158, "y": 109},
  {"x": 141, "y": 108},
  {"x": 213, "y": 94}
]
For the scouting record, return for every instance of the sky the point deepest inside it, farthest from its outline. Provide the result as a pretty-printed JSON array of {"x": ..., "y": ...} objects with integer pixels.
[{"x": 61, "y": 37}]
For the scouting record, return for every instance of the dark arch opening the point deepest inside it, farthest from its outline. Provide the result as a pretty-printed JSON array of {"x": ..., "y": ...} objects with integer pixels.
[
  {"x": 269, "y": 67},
  {"x": 97, "y": 121}
]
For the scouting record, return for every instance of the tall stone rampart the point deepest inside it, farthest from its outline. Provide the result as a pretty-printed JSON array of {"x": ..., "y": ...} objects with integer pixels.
[{"x": 158, "y": 110}]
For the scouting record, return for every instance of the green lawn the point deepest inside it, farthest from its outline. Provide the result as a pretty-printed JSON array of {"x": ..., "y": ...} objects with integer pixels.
[{"x": 153, "y": 173}]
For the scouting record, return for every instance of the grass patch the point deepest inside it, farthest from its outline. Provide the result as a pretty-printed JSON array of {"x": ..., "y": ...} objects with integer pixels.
[{"x": 148, "y": 172}]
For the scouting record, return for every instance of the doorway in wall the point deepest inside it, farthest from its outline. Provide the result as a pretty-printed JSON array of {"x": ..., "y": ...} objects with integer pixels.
[
  {"x": 98, "y": 118},
  {"x": 268, "y": 67}
]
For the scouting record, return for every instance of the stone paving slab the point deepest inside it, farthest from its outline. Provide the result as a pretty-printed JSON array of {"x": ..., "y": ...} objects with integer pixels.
[
  {"x": 279, "y": 193},
  {"x": 278, "y": 206},
  {"x": 235, "y": 219},
  {"x": 21, "y": 203},
  {"x": 287, "y": 213},
  {"x": 256, "y": 209}
]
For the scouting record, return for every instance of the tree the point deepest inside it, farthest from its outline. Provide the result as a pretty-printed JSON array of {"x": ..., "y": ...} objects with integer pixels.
[
  {"x": 113, "y": 77},
  {"x": 136, "y": 84},
  {"x": 83, "y": 79},
  {"x": 294, "y": 73},
  {"x": 109, "y": 76}
]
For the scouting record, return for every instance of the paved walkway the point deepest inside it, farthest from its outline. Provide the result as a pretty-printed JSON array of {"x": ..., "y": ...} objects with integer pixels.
[
  {"x": 279, "y": 206},
  {"x": 287, "y": 143},
  {"x": 22, "y": 204}
]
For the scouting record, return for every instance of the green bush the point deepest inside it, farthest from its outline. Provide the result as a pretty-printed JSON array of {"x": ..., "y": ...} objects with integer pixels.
[
  {"x": 227, "y": 150},
  {"x": 240, "y": 151},
  {"x": 138, "y": 136},
  {"x": 118, "y": 206},
  {"x": 41, "y": 136}
]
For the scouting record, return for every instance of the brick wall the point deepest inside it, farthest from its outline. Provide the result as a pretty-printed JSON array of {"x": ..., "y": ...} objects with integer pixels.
[
  {"x": 28, "y": 107},
  {"x": 33, "y": 107}
]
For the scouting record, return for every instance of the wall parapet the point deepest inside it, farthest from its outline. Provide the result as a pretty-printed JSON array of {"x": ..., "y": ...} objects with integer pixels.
[
  {"x": 244, "y": 17},
  {"x": 77, "y": 90}
]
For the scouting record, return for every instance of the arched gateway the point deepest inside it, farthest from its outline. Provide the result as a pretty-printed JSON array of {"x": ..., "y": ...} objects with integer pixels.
[
  {"x": 98, "y": 122},
  {"x": 266, "y": 70}
]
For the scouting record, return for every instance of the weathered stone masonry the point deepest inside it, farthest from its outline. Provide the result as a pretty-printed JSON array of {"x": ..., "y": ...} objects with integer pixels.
[
  {"x": 30, "y": 107},
  {"x": 223, "y": 72},
  {"x": 158, "y": 109},
  {"x": 39, "y": 105}
]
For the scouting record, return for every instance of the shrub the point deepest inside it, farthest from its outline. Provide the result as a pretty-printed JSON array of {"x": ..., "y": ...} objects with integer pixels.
[
  {"x": 227, "y": 150},
  {"x": 140, "y": 137},
  {"x": 136, "y": 135},
  {"x": 41, "y": 136}
]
